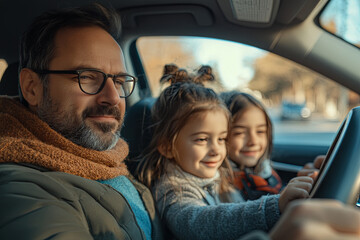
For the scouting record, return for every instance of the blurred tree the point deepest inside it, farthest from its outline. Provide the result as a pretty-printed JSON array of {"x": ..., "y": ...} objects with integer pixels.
[
  {"x": 280, "y": 80},
  {"x": 158, "y": 51}
]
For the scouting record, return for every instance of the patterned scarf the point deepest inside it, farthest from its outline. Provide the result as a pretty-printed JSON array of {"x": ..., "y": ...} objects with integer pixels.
[{"x": 24, "y": 138}]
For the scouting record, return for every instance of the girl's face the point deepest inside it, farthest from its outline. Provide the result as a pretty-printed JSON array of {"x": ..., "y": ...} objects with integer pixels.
[
  {"x": 200, "y": 145},
  {"x": 247, "y": 140}
]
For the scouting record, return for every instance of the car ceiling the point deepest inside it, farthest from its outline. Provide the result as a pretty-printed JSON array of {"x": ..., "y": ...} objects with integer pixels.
[
  {"x": 291, "y": 32},
  {"x": 182, "y": 17}
]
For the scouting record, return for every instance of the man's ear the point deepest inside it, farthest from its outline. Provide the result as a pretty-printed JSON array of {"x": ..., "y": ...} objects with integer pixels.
[
  {"x": 31, "y": 86},
  {"x": 165, "y": 151}
]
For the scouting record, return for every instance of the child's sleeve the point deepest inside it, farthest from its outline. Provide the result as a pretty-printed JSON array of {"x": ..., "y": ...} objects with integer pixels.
[{"x": 189, "y": 217}]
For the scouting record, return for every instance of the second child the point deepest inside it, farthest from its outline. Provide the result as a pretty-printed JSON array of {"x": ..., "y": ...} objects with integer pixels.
[
  {"x": 250, "y": 145},
  {"x": 186, "y": 168}
]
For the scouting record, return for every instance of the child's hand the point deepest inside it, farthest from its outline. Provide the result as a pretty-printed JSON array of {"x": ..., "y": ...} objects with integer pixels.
[
  {"x": 298, "y": 187},
  {"x": 312, "y": 169}
]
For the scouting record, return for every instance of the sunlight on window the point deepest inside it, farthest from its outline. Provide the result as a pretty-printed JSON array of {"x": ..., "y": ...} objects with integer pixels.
[
  {"x": 341, "y": 18},
  {"x": 298, "y": 100},
  {"x": 232, "y": 62}
]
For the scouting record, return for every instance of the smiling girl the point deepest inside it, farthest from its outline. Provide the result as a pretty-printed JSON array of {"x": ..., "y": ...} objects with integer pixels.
[
  {"x": 186, "y": 168},
  {"x": 249, "y": 146}
]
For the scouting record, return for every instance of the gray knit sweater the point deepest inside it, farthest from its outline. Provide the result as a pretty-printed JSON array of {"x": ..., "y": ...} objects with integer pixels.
[{"x": 191, "y": 208}]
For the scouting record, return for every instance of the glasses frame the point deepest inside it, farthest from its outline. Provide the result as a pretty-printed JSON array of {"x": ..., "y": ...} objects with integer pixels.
[{"x": 78, "y": 72}]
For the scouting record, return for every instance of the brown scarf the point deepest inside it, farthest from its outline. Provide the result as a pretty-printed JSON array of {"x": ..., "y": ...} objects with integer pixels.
[{"x": 24, "y": 138}]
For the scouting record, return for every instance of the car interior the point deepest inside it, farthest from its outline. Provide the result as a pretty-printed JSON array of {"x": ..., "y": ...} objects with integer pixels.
[{"x": 289, "y": 29}]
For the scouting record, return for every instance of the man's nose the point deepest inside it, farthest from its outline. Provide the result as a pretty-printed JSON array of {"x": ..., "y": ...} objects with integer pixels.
[{"x": 109, "y": 94}]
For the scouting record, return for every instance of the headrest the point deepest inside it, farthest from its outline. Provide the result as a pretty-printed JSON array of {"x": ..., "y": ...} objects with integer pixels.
[
  {"x": 136, "y": 130},
  {"x": 9, "y": 80}
]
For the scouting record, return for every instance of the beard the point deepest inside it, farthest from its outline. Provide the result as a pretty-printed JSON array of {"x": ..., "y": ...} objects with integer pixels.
[{"x": 100, "y": 136}]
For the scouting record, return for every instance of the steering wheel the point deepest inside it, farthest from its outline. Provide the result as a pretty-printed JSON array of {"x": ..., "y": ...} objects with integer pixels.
[{"x": 339, "y": 176}]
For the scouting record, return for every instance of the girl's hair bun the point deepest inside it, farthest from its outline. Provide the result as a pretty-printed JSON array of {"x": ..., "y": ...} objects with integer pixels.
[
  {"x": 204, "y": 74},
  {"x": 173, "y": 74}
]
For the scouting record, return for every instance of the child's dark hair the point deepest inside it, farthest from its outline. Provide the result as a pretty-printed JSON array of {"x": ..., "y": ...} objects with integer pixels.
[
  {"x": 175, "y": 105},
  {"x": 237, "y": 103}
]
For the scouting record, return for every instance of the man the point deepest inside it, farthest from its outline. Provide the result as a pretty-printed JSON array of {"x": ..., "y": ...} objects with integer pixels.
[
  {"x": 62, "y": 174},
  {"x": 62, "y": 171}
]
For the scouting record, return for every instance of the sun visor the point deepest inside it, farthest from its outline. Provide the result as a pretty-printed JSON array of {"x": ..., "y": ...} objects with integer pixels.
[{"x": 167, "y": 15}]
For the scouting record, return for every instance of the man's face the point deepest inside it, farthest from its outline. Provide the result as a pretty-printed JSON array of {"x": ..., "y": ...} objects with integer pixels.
[{"x": 91, "y": 121}]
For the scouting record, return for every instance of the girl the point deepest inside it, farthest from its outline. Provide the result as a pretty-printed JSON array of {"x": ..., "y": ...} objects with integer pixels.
[
  {"x": 186, "y": 168},
  {"x": 249, "y": 146}
]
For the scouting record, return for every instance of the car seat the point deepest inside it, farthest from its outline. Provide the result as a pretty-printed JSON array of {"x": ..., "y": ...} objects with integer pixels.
[
  {"x": 9, "y": 80},
  {"x": 137, "y": 126}
]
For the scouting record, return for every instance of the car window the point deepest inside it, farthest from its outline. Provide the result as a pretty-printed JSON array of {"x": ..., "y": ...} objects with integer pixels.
[
  {"x": 3, "y": 66},
  {"x": 305, "y": 107},
  {"x": 342, "y": 17}
]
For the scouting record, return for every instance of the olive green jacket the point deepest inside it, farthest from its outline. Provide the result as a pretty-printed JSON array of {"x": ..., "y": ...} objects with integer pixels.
[{"x": 36, "y": 203}]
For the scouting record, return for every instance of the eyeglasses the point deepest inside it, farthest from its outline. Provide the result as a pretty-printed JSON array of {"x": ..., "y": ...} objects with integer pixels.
[{"x": 92, "y": 81}]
